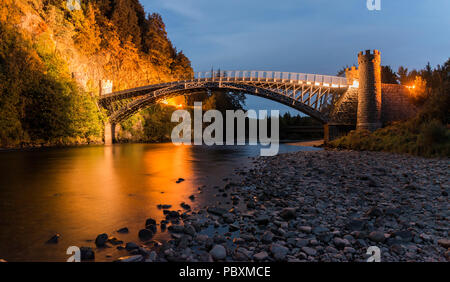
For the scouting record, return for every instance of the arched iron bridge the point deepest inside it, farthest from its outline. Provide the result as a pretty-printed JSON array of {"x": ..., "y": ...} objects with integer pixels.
[{"x": 312, "y": 94}]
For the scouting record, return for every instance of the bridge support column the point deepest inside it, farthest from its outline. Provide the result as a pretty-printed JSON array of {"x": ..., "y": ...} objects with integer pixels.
[
  {"x": 110, "y": 133},
  {"x": 334, "y": 131},
  {"x": 369, "y": 93}
]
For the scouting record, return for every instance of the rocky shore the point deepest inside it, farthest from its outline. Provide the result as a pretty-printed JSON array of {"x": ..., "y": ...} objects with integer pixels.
[{"x": 307, "y": 206}]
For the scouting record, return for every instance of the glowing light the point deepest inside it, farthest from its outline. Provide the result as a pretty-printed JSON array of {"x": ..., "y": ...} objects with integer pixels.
[
  {"x": 317, "y": 83},
  {"x": 355, "y": 84},
  {"x": 326, "y": 84},
  {"x": 171, "y": 102},
  {"x": 411, "y": 87}
]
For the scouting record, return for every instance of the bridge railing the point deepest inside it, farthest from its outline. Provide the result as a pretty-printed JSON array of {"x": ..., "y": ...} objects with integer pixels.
[{"x": 317, "y": 79}]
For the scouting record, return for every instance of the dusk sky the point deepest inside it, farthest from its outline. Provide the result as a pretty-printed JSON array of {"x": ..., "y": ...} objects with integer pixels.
[{"x": 309, "y": 36}]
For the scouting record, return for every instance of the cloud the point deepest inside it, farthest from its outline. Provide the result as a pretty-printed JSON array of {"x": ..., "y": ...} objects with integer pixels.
[{"x": 184, "y": 8}]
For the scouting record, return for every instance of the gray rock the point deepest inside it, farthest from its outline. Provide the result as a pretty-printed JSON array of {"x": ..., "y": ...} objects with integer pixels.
[
  {"x": 288, "y": 213},
  {"x": 305, "y": 229},
  {"x": 301, "y": 243},
  {"x": 405, "y": 236},
  {"x": 131, "y": 246},
  {"x": 309, "y": 251},
  {"x": 189, "y": 229},
  {"x": 228, "y": 218},
  {"x": 135, "y": 258},
  {"x": 233, "y": 227},
  {"x": 101, "y": 240},
  {"x": 278, "y": 251},
  {"x": 172, "y": 215},
  {"x": 267, "y": 237},
  {"x": 123, "y": 230},
  {"x": 444, "y": 243},
  {"x": 262, "y": 220},
  {"x": 341, "y": 243},
  {"x": 114, "y": 241},
  {"x": 164, "y": 207},
  {"x": 217, "y": 211},
  {"x": 410, "y": 187},
  {"x": 150, "y": 221},
  {"x": 261, "y": 256},
  {"x": 374, "y": 212},
  {"x": 218, "y": 252},
  {"x": 398, "y": 249},
  {"x": 377, "y": 236},
  {"x": 356, "y": 225},
  {"x": 320, "y": 229},
  {"x": 176, "y": 228},
  {"x": 145, "y": 234},
  {"x": 54, "y": 239},
  {"x": 86, "y": 253},
  {"x": 349, "y": 250}
]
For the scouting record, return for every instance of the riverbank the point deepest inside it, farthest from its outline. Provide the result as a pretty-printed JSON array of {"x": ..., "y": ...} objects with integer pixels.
[
  {"x": 73, "y": 143},
  {"x": 308, "y": 143},
  {"x": 310, "y": 206}
]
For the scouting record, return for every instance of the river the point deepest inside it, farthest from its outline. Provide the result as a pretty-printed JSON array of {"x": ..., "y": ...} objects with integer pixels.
[{"x": 84, "y": 191}]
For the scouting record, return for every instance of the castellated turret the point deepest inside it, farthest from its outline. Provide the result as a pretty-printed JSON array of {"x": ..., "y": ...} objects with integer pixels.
[
  {"x": 352, "y": 75},
  {"x": 369, "y": 93}
]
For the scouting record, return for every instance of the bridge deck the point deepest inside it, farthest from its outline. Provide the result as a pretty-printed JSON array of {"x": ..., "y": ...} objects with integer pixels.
[
  {"x": 309, "y": 93},
  {"x": 241, "y": 76}
]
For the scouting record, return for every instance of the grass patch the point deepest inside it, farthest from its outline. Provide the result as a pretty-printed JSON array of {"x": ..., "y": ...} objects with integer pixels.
[{"x": 425, "y": 135}]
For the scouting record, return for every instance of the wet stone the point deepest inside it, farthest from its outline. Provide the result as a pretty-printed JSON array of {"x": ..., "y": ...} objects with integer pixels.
[{"x": 101, "y": 240}]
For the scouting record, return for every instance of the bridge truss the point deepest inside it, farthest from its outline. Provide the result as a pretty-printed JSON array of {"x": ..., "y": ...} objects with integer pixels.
[{"x": 311, "y": 94}]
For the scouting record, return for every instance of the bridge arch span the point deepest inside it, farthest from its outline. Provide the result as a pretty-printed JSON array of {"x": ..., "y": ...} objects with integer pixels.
[{"x": 192, "y": 88}]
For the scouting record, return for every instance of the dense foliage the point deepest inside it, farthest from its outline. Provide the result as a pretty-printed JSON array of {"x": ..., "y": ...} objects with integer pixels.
[
  {"x": 52, "y": 59},
  {"x": 39, "y": 102}
]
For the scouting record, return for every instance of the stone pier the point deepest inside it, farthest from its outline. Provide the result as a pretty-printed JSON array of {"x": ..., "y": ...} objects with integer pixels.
[{"x": 110, "y": 133}]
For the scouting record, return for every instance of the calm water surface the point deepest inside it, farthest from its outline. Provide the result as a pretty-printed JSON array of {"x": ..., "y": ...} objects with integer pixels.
[{"x": 82, "y": 192}]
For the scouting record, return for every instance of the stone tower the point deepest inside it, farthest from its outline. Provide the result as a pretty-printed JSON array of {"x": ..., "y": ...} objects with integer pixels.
[{"x": 369, "y": 94}]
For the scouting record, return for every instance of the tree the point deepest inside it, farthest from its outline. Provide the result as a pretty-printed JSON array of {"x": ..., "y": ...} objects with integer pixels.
[
  {"x": 156, "y": 43},
  {"x": 418, "y": 91},
  {"x": 181, "y": 66},
  {"x": 87, "y": 36},
  {"x": 388, "y": 75},
  {"x": 403, "y": 75},
  {"x": 126, "y": 21},
  {"x": 341, "y": 72}
]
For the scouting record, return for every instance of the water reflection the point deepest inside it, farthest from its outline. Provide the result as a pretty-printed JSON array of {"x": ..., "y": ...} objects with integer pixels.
[{"x": 81, "y": 192}]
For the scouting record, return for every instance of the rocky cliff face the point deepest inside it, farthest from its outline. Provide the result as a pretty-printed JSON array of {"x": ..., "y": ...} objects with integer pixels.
[{"x": 92, "y": 45}]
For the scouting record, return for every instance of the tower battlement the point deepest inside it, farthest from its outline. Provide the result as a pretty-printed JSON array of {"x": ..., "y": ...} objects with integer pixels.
[
  {"x": 369, "y": 56},
  {"x": 351, "y": 74}
]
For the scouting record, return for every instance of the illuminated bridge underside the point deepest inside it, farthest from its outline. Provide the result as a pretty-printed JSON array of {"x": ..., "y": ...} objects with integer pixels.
[{"x": 313, "y": 95}]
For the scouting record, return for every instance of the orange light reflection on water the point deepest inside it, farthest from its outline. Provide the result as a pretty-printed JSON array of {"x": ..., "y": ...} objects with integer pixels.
[{"x": 166, "y": 171}]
